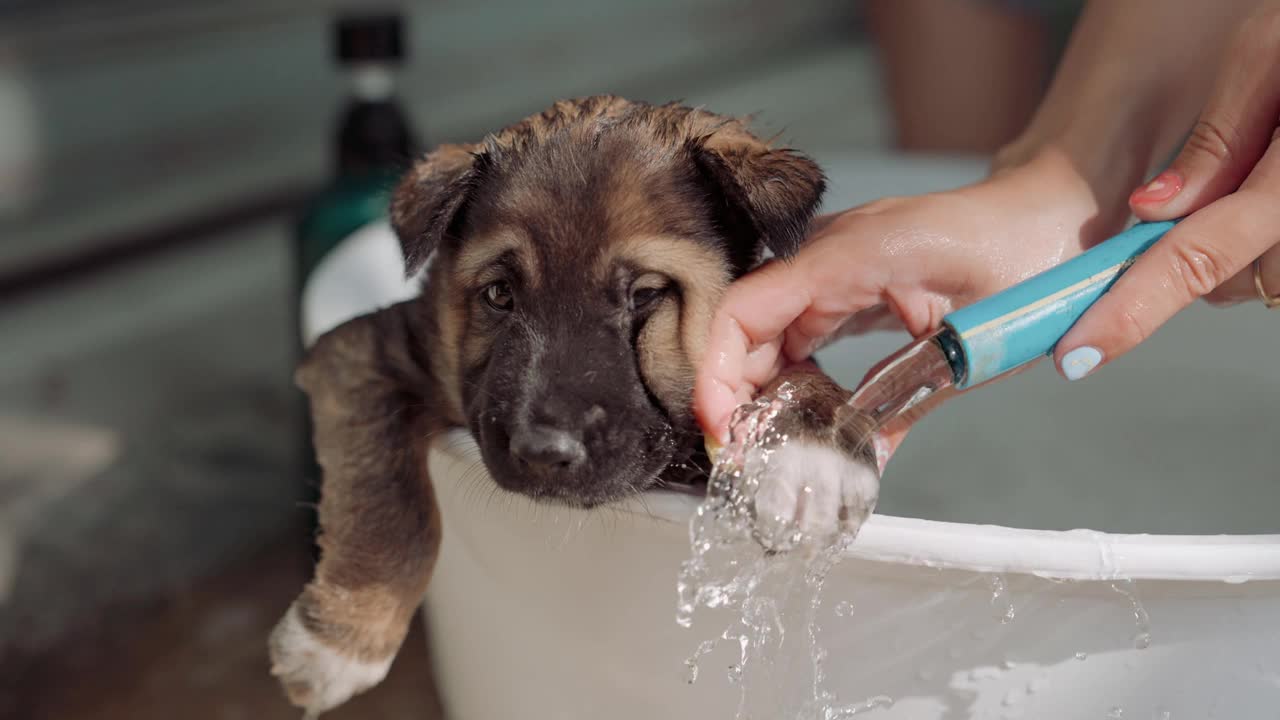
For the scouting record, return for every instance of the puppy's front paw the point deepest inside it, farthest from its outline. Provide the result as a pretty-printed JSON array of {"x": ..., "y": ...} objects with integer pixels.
[
  {"x": 315, "y": 676},
  {"x": 816, "y": 488}
]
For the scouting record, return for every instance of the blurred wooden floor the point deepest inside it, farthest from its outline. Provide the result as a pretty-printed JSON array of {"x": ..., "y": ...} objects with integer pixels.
[{"x": 199, "y": 655}]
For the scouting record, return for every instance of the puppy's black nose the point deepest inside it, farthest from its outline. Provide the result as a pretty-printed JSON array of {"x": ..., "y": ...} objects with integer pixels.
[{"x": 548, "y": 446}]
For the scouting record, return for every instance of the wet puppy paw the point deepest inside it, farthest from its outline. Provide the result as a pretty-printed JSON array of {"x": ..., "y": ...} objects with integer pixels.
[
  {"x": 816, "y": 488},
  {"x": 314, "y": 675},
  {"x": 803, "y": 461}
]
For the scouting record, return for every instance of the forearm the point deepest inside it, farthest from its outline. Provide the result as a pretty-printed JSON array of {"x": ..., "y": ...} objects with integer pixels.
[{"x": 1134, "y": 76}]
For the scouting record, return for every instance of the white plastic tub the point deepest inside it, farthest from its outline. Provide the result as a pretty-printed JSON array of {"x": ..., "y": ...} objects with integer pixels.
[{"x": 550, "y": 613}]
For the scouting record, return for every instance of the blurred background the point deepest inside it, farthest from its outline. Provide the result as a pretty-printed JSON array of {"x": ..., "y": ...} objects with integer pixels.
[{"x": 170, "y": 171}]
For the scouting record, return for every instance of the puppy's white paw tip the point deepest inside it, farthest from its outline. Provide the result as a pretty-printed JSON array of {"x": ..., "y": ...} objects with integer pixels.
[
  {"x": 819, "y": 488},
  {"x": 315, "y": 676}
]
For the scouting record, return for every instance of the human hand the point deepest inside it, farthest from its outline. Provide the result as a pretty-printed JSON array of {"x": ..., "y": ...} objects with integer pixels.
[
  {"x": 901, "y": 261},
  {"x": 1226, "y": 183}
]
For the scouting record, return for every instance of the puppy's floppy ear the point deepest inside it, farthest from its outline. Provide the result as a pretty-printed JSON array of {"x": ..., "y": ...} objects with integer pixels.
[
  {"x": 772, "y": 192},
  {"x": 426, "y": 203}
]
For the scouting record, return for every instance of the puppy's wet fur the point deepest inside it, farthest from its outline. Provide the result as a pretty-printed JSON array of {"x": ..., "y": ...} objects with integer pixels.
[{"x": 576, "y": 258}]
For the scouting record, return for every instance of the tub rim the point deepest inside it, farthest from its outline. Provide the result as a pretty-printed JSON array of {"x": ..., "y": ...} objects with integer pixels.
[{"x": 1080, "y": 554}]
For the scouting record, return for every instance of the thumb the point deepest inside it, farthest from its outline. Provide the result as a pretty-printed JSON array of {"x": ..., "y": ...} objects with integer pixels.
[{"x": 1232, "y": 132}]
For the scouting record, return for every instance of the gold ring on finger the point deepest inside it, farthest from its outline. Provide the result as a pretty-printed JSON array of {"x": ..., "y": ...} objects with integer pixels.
[{"x": 1271, "y": 301}]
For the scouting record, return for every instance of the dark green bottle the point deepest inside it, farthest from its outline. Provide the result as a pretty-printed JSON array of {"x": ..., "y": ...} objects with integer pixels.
[{"x": 374, "y": 146}]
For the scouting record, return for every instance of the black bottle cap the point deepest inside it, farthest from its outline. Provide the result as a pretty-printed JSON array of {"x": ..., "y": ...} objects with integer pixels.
[{"x": 369, "y": 37}]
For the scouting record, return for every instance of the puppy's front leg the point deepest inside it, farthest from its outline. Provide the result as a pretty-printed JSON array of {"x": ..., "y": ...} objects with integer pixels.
[
  {"x": 373, "y": 405},
  {"x": 824, "y": 477}
]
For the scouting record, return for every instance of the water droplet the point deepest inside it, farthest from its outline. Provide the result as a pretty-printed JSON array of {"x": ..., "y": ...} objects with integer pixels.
[
  {"x": 1008, "y": 664},
  {"x": 1162, "y": 714},
  {"x": 1128, "y": 588},
  {"x": 691, "y": 664},
  {"x": 1001, "y": 603},
  {"x": 844, "y": 609},
  {"x": 1115, "y": 713},
  {"x": 1082, "y": 656},
  {"x": 848, "y": 711}
]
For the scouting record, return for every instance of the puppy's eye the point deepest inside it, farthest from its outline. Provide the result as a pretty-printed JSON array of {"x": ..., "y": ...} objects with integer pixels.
[
  {"x": 644, "y": 297},
  {"x": 498, "y": 296}
]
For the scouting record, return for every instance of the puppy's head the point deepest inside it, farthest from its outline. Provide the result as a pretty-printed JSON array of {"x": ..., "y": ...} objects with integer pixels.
[{"x": 577, "y": 259}]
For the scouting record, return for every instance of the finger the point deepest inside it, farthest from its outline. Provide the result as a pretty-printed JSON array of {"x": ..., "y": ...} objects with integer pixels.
[
  {"x": 744, "y": 347},
  {"x": 887, "y": 441},
  {"x": 807, "y": 336},
  {"x": 889, "y": 438},
  {"x": 1192, "y": 260},
  {"x": 1243, "y": 288},
  {"x": 1233, "y": 131},
  {"x": 877, "y": 318},
  {"x": 816, "y": 327},
  {"x": 845, "y": 301}
]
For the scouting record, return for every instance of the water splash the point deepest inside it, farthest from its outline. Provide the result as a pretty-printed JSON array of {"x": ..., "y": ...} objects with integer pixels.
[
  {"x": 1001, "y": 603},
  {"x": 729, "y": 569},
  {"x": 1082, "y": 656},
  {"x": 1128, "y": 588},
  {"x": 691, "y": 663},
  {"x": 1115, "y": 713},
  {"x": 844, "y": 609},
  {"x": 721, "y": 570}
]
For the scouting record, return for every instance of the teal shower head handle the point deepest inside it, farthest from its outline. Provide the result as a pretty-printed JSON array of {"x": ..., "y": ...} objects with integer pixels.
[{"x": 1002, "y": 333}]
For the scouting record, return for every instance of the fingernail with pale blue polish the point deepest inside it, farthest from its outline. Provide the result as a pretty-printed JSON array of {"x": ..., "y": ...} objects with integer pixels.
[{"x": 1080, "y": 362}]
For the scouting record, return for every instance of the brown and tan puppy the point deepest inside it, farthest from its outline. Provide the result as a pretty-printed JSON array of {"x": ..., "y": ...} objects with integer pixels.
[{"x": 576, "y": 260}]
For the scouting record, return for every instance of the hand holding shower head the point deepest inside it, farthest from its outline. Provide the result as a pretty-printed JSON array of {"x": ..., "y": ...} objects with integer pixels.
[{"x": 998, "y": 335}]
